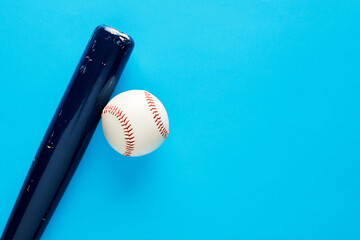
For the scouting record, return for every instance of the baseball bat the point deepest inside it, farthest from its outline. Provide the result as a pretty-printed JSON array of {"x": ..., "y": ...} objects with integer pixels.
[{"x": 69, "y": 132}]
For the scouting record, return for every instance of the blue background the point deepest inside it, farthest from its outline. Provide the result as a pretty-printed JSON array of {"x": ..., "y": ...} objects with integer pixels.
[{"x": 263, "y": 101}]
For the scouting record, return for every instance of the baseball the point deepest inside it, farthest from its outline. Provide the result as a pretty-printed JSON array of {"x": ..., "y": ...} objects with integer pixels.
[{"x": 135, "y": 123}]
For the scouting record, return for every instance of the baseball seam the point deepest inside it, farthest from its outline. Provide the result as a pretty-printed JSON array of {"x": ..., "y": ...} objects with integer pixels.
[
  {"x": 156, "y": 115},
  {"x": 125, "y": 124}
]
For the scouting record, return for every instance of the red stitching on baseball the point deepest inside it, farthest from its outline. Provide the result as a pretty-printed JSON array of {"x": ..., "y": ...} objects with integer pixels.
[
  {"x": 151, "y": 104},
  {"x": 128, "y": 130}
]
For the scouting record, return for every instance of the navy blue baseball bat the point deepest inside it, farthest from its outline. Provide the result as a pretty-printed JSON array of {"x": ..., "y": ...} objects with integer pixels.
[{"x": 69, "y": 132}]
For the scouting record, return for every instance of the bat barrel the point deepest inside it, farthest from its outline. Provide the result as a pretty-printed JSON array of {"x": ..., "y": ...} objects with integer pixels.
[{"x": 69, "y": 132}]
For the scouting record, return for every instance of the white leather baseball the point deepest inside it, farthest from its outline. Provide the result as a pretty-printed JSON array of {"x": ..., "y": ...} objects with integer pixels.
[{"x": 135, "y": 123}]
